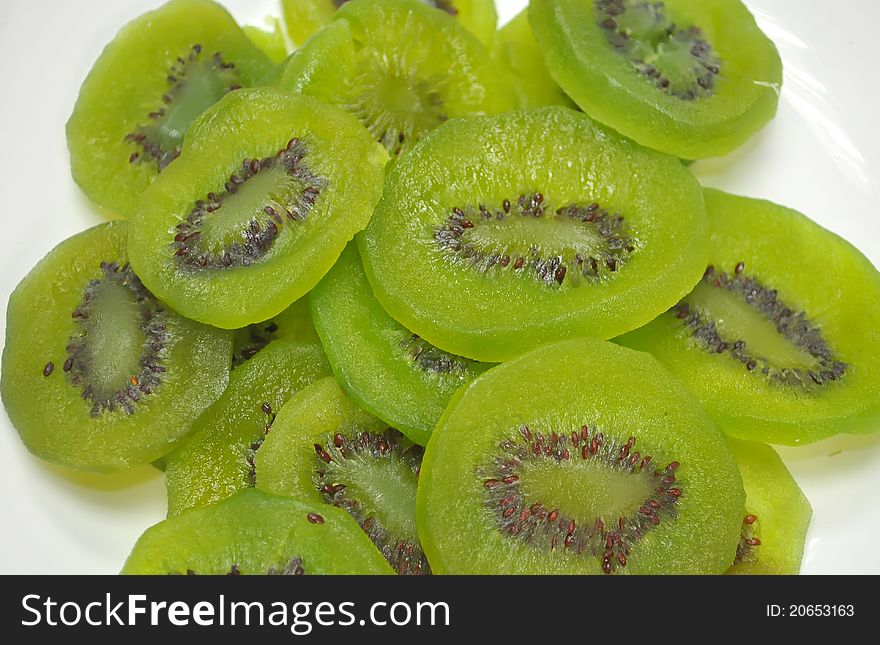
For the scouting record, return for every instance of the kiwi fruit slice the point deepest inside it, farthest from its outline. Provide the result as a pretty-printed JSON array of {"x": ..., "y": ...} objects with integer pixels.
[
  {"x": 516, "y": 50},
  {"x": 325, "y": 450},
  {"x": 777, "y": 346},
  {"x": 269, "y": 40},
  {"x": 532, "y": 226},
  {"x": 255, "y": 533},
  {"x": 294, "y": 324},
  {"x": 97, "y": 374},
  {"x": 217, "y": 459},
  {"x": 777, "y": 516},
  {"x": 257, "y": 208},
  {"x": 152, "y": 80},
  {"x": 388, "y": 370},
  {"x": 692, "y": 79},
  {"x": 401, "y": 67},
  {"x": 610, "y": 467},
  {"x": 305, "y": 17}
]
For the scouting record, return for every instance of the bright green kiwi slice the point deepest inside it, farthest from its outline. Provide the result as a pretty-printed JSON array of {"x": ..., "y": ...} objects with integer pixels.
[
  {"x": 217, "y": 459},
  {"x": 304, "y": 17},
  {"x": 97, "y": 374},
  {"x": 692, "y": 79},
  {"x": 528, "y": 227},
  {"x": 400, "y": 67},
  {"x": 152, "y": 80},
  {"x": 258, "y": 206},
  {"x": 255, "y": 533},
  {"x": 780, "y": 340},
  {"x": 387, "y": 369},
  {"x": 578, "y": 457},
  {"x": 269, "y": 39},
  {"x": 517, "y": 51},
  {"x": 325, "y": 450},
  {"x": 294, "y": 324},
  {"x": 774, "y": 527}
]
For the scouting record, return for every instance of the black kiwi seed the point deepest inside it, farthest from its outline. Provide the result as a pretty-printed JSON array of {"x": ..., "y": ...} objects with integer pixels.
[
  {"x": 259, "y": 336},
  {"x": 683, "y": 63},
  {"x": 611, "y": 250},
  {"x": 256, "y": 341},
  {"x": 404, "y": 556},
  {"x": 152, "y": 320},
  {"x": 293, "y": 567},
  {"x": 291, "y": 205},
  {"x": 48, "y": 368},
  {"x": 250, "y": 458},
  {"x": 793, "y": 326},
  {"x": 607, "y": 538},
  {"x": 748, "y": 541},
  {"x": 432, "y": 359},
  {"x": 160, "y": 144}
]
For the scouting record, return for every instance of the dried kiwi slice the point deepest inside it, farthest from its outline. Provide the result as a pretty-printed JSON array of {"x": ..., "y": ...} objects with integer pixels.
[
  {"x": 532, "y": 226},
  {"x": 323, "y": 449},
  {"x": 305, "y": 17},
  {"x": 777, "y": 516},
  {"x": 153, "y": 79},
  {"x": 610, "y": 467},
  {"x": 692, "y": 79},
  {"x": 382, "y": 365},
  {"x": 777, "y": 346},
  {"x": 401, "y": 67},
  {"x": 294, "y": 324},
  {"x": 516, "y": 50},
  {"x": 97, "y": 374},
  {"x": 217, "y": 459},
  {"x": 269, "y": 39},
  {"x": 257, "y": 208},
  {"x": 255, "y": 533}
]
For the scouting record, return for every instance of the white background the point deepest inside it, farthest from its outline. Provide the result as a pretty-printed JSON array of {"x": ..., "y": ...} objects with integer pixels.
[{"x": 821, "y": 155}]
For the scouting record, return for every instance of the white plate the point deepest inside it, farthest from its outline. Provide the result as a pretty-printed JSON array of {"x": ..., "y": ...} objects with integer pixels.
[{"x": 821, "y": 155}]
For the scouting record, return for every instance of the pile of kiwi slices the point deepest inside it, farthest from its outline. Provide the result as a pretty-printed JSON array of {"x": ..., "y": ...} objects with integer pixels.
[{"x": 423, "y": 296}]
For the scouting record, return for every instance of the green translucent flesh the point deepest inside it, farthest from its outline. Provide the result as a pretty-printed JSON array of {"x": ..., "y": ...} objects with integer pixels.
[
  {"x": 293, "y": 324},
  {"x": 256, "y": 532},
  {"x": 734, "y": 318},
  {"x": 269, "y": 40},
  {"x": 782, "y": 509},
  {"x": 286, "y": 461},
  {"x": 127, "y": 82},
  {"x": 376, "y": 359},
  {"x": 304, "y": 17},
  {"x": 240, "y": 208},
  {"x": 378, "y": 480},
  {"x": 400, "y": 67},
  {"x": 516, "y": 49},
  {"x": 215, "y": 461},
  {"x": 814, "y": 271},
  {"x": 249, "y": 124},
  {"x": 115, "y": 337},
  {"x": 494, "y": 315},
  {"x": 52, "y": 417},
  {"x": 584, "y": 488},
  {"x": 477, "y": 16},
  {"x": 621, "y": 392},
  {"x": 203, "y": 88},
  {"x": 606, "y": 86}
]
